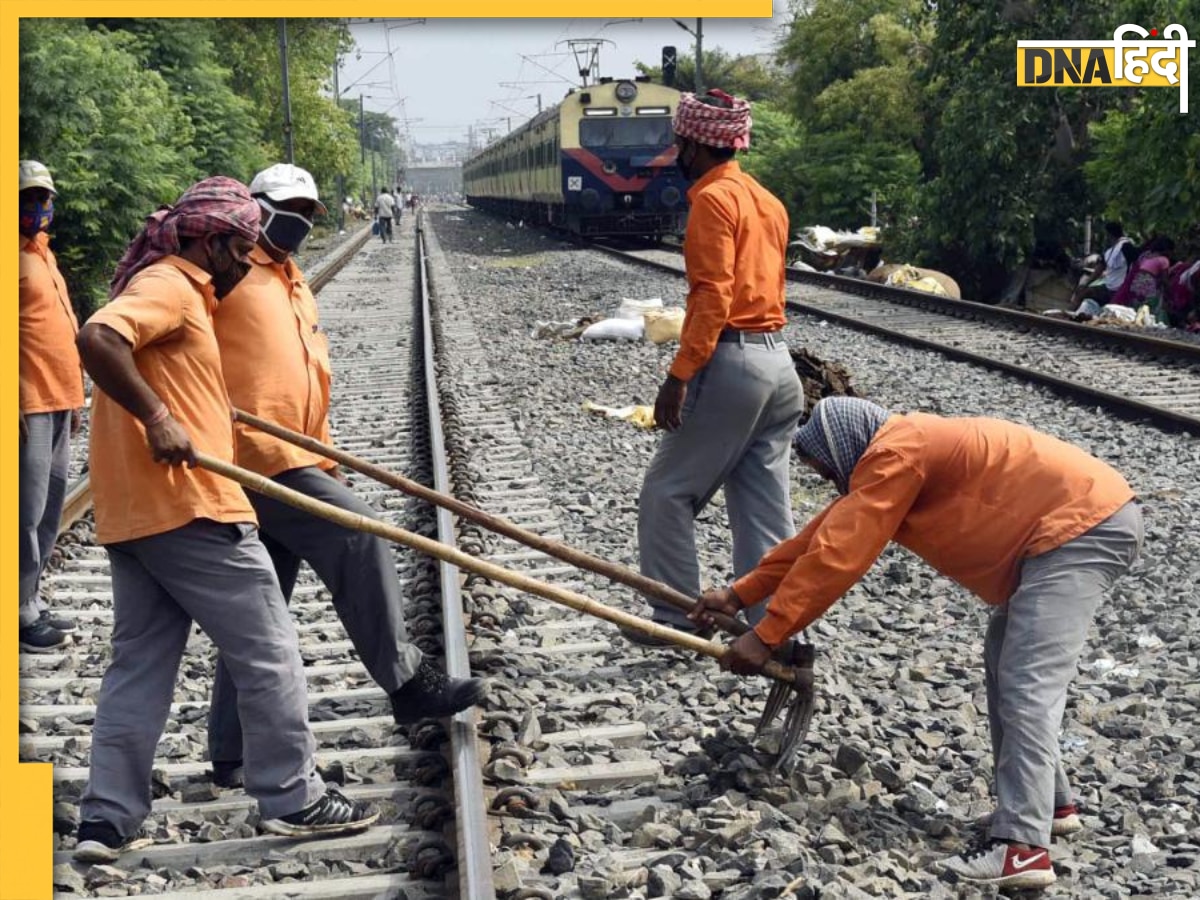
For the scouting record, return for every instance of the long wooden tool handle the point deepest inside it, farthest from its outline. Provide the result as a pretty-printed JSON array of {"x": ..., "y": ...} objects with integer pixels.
[
  {"x": 614, "y": 571},
  {"x": 454, "y": 556}
]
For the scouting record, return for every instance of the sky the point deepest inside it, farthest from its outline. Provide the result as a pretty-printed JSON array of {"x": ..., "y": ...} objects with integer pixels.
[{"x": 447, "y": 75}]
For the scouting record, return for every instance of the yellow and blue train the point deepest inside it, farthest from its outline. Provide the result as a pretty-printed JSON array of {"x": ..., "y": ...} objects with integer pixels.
[{"x": 602, "y": 162}]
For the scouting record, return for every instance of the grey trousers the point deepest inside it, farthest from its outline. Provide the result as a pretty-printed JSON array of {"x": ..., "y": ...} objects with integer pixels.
[
  {"x": 44, "y": 458},
  {"x": 1030, "y": 654},
  {"x": 360, "y": 573},
  {"x": 220, "y": 577},
  {"x": 739, "y": 416}
]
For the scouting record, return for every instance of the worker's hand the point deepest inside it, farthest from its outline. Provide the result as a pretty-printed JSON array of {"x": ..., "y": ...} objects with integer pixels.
[
  {"x": 668, "y": 407},
  {"x": 722, "y": 600},
  {"x": 339, "y": 476},
  {"x": 746, "y": 656},
  {"x": 170, "y": 444},
  {"x": 76, "y": 421},
  {"x": 24, "y": 429}
]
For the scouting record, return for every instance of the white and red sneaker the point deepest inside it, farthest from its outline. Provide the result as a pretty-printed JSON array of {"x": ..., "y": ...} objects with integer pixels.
[
  {"x": 1003, "y": 865},
  {"x": 1066, "y": 821}
]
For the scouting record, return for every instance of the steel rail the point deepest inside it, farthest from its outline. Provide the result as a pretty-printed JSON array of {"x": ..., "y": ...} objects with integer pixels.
[
  {"x": 1163, "y": 348},
  {"x": 1126, "y": 407},
  {"x": 79, "y": 495},
  {"x": 474, "y": 849}
]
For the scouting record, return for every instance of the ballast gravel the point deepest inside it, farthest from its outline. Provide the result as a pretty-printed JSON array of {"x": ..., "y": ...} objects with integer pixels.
[{"x": 896, "y": 766}]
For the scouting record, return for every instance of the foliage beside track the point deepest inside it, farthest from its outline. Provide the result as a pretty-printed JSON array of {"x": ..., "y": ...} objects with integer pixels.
[
  {"x": 128, "y": 112},
  {"x": 917, "y": 103}
]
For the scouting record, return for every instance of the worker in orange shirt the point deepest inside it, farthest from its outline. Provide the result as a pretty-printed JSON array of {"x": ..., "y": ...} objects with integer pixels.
[
  {"x": 51, "y": 405},
  {"x": 731, "y": 399},
  {"x": 276, "y": 364},
  {"x": 1035, "y": 527},
  {"x": 181, "y": 541}
]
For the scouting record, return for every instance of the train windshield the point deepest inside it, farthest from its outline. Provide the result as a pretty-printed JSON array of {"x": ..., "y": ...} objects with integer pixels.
[{"x": 601, "y": 134}]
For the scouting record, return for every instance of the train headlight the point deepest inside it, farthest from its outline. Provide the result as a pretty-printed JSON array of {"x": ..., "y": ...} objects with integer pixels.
[
  {"x": 670, "y": 196},
  {"x": 626, "y": 91},
  {"x": 590, "y": 198}
]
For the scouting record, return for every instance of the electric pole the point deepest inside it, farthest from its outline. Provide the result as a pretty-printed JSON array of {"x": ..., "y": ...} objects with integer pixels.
[{"x": 287, "y": 100}]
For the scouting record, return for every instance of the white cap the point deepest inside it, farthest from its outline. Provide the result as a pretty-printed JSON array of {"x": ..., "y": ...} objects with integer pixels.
[
  {"x": 283, "y": 181},
  {"x": 35, "y": 175}
]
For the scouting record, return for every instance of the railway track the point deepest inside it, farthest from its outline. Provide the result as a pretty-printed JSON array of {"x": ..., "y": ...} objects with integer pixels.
[
  {"x": 205, "y": 840},
  {"x": 1139, "y": 376}
]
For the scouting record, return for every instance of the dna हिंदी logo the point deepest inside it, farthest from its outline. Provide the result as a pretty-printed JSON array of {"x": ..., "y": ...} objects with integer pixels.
[{"x": 1146, "y": 60}]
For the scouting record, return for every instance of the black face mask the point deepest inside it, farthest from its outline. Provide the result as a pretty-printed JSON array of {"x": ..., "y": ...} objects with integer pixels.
[
  {"x": 283, "y": 230},
  {"x": 685, "y": 166},
  {"x": 226, "y": 277}
]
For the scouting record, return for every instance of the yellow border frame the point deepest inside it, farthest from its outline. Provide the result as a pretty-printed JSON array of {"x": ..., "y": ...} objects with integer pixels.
[{"x": 26, "y": 843}]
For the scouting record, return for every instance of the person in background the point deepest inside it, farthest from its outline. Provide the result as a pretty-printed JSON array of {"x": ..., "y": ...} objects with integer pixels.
[
  {"x": 385, "y": 209},
  {"x": 1109, "y": 275},
  {"x": 1037, "y": 528},
  {"x": 1146, "y": 279},
  {"x": 732, "y": 398},
  {"x": 275, "y": 361},
  {"x": 51, "y": 400},
  {"x": 182, "y": 542},
  {"x": 1183, "y": 286}
]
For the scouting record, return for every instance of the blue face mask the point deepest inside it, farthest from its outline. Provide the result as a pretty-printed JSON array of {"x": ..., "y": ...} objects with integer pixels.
[
  {"x": 36, "y": 216},
  {"x": 285, "y": 231}
]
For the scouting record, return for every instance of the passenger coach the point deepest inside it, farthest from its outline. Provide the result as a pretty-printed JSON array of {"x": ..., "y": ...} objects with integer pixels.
[{"x": 601, "y": 162}]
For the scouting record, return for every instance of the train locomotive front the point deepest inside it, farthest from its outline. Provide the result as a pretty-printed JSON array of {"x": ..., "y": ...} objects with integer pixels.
[{"x": 602, "y": 162}]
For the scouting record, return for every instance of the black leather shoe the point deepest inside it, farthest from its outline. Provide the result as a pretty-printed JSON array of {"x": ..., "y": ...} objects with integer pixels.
[{"x": 431, "y": 694}]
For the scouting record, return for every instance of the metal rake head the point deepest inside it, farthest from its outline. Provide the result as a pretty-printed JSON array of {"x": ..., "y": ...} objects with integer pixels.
[{"x": 799, "y": 699}]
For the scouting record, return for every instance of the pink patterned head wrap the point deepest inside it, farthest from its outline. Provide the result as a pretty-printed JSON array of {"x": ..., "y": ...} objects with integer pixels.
[
  {"x": 717, "y": 120},
  {"x": 216, "y": 205}
]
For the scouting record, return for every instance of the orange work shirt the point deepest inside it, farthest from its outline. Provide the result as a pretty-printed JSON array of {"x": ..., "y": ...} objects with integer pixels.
[
  {"x": 972, "y": 497},
  {"x": 735, "y": 250},
  {"x": 276, "y": 363},
  {"x": 51, "y": 379},
  {"x": 165, "y": 314}
]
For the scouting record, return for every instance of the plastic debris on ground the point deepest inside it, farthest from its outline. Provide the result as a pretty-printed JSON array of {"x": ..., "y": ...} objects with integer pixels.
[{"x": 641, "y": 416}]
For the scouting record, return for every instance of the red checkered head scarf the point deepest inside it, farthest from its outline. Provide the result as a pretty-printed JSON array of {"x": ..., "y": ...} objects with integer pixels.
[
  {"x": 716, "y": 120},
  {"x": 216, "y": 205}
]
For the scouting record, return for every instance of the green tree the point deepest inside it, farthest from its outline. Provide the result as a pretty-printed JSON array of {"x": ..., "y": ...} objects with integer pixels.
[
  {"x": 775, "y": 158},
  {"x": 113, "y": 136},
  {"x": 1002, "y": 164},
  {"x": 184, "y": 53},
  {"x": 324, "y": 136},
  {"x": 750, "y": 77},
  {"x": 854, "y": 93},
  {"x": 1144, "y": 164}
]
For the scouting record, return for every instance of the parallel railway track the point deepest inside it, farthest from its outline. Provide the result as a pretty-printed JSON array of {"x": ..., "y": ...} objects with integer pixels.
[{"x": 1139, "y": 376}]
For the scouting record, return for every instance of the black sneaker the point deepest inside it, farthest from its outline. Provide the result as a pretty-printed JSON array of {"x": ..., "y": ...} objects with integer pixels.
[
  {"x": 66, "y": 626},
  {"x": 333, "y": 814},
  {"x": 100, "y": 842},
  {"x": 228, "y": 774},
  {"x": 431, "y": 694},
  {"x": 42, "y": 638}
]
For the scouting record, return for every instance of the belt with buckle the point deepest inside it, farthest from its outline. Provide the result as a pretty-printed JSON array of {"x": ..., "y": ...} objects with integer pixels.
[{"x": 750, "y": 337}]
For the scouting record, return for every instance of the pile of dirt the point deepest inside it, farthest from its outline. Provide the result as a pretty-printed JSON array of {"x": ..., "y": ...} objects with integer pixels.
[{"x": 821, "y": 378}]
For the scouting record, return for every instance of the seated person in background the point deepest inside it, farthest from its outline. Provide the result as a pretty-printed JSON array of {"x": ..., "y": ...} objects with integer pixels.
[
  {"x": 1146, "y": 278},
  {"x": 1108, "y": 277},
  {"x": 1180, "y": 304}
]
